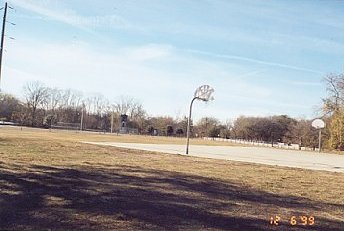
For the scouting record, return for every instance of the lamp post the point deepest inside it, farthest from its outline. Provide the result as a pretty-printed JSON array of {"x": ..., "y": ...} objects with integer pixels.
[{"x": 203, "y": 93}]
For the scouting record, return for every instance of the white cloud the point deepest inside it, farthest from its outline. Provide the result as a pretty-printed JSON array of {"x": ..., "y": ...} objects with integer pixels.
[
  {"x": 278, "y": 39},
  {"x": 247, "y": 59},
  {"x": 308, "y": 84},
  {"x": 148, "y": 52},
  {"x": 157, "y": 74},
  {"x": 53, "y": 10}
]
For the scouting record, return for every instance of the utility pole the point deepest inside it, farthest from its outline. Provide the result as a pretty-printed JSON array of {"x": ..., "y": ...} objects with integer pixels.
[{"x": 2, "y": 39}]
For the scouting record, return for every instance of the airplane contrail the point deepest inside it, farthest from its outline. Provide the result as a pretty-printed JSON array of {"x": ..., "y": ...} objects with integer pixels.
[{"x": 255, "y": 61}]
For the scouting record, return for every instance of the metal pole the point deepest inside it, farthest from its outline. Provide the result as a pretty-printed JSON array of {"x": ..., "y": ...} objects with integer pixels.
[
  {"x": 188, "y": 128},
  {"x": 111, "y": 122},
  {"x": 82, "y": 118},
  {"x": 2, "y": 38},
  {"x": 319, "y": 140}
]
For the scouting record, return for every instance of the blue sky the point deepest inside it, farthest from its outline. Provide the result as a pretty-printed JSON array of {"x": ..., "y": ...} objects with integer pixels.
[{"x": 261, "y": 57}]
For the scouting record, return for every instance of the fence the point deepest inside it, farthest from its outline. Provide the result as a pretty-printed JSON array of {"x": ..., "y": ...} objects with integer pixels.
[
  {"x": 66, "y": 126},
  {"x": 261, "y": 143}
]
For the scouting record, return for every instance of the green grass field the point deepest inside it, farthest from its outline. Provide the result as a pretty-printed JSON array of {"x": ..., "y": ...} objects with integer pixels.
[{"x": 50, "y": 180}]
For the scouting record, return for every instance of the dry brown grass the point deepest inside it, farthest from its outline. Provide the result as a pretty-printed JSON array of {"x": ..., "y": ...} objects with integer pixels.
[
  {"x": 49, "y": 180},
  {"x": 98, "y": 136}
]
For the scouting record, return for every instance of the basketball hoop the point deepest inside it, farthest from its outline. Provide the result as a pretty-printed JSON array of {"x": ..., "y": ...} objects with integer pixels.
[
  {"x": 204, "y": 93},
  {"x": 319, "y": 124}
]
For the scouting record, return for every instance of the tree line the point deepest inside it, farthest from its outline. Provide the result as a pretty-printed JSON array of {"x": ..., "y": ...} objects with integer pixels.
[{"x": 47, "y": 107}]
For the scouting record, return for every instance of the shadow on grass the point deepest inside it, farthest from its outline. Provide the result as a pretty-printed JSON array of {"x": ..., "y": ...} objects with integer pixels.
[{"x": 124, "y": 197}]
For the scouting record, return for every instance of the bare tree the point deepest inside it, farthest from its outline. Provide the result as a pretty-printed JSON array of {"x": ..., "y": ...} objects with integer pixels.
[
  {"x": 71, "y": 98},
  {"x": 36, "y": 94},
  {"x": 335, "y": 90},
  {"x": 129, "y": 106},
  {"x": 54, "y": 99},
  {"x": 100, "y": 104},
  {"x": 124, "y": 105},
  {"x": 134, "y": 109},
  {"x": 333, "y": 105}
]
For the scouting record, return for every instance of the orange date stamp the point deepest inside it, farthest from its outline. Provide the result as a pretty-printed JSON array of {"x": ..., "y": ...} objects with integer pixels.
[{"x": 292, "y": 220}]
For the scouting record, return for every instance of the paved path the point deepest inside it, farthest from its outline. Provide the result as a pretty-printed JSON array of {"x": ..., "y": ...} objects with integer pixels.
[{"x": 260, "y": 155}]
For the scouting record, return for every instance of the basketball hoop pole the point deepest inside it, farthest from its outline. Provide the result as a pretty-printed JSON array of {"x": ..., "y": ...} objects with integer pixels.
[
  {"x": 188, "y": 127},
  {"x": 203, "y": 93},
  {"x": 320, "y": 140},
  {"x": 319, "y": 124}
]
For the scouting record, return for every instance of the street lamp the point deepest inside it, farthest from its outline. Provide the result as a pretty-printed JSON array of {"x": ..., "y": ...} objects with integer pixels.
[{"x": 203, "y": 93}]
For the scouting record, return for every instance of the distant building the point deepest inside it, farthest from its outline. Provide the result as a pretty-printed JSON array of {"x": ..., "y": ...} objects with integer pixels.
[{"x": 123, "y": 127}]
